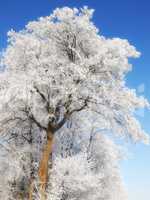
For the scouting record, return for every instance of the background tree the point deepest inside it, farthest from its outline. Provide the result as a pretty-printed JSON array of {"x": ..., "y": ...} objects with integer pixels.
[{"x": 60, "y": 71}]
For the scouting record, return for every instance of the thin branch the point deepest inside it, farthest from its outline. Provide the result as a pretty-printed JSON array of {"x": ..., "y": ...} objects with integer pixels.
[
  {"x": 30, "y": 115},
  {"x": 81, "y": 108},
  {"x": 41, "y": 94},
  {"x": 36, "y": 122}
]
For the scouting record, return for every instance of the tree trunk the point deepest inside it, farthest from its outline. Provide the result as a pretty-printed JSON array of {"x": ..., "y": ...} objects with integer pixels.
[{"x": 43, "y": 167}]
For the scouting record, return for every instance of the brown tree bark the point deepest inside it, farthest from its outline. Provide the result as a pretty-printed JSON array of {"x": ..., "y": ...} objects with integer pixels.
[{"x": 43, "y": 167}]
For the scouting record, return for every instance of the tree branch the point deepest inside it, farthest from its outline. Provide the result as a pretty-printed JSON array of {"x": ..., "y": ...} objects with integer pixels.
[
  {"x": 81, "y": 108},
  {"x": 30, "y": 115},
  {"x": 40, "y": 93}
]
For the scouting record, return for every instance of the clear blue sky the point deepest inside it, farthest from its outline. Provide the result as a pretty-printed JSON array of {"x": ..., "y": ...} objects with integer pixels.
[{"x": 128, "y": 19}]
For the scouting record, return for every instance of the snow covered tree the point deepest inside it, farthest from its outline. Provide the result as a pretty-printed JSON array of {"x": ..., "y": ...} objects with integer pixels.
[{"x": 60, "y": 72}]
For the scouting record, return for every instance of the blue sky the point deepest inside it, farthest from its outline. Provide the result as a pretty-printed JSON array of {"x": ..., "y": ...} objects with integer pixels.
[{"x": 128, "y": 19}]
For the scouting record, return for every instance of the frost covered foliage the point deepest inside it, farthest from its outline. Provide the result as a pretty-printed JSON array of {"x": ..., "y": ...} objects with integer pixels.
[
  {"x": 91, "y": 174},
  {"x": 60, "y": 72},
  {"x": 14, "y": 172}
]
